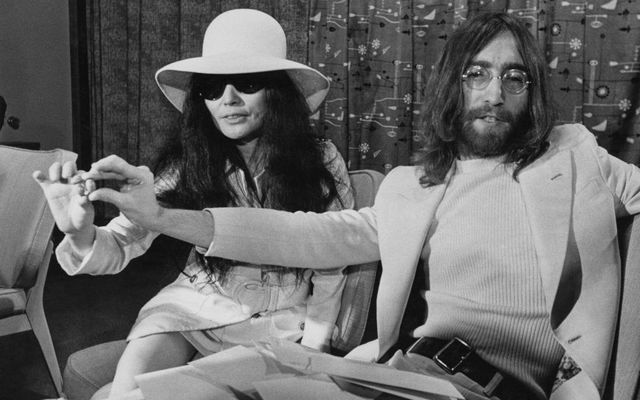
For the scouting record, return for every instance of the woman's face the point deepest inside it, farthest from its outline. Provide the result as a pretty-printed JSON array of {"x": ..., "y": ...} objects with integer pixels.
[{"x": 237, "y": 104}]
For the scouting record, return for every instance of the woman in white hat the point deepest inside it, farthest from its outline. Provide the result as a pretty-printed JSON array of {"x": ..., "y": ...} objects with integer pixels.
[{"x": 245, "y": 141}]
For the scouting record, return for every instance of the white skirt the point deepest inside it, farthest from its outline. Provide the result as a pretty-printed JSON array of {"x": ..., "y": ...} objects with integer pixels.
[{"x": 252, "y": 305}]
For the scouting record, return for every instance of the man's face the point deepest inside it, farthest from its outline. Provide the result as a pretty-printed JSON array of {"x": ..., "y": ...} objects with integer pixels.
[{"x": 492, "y": 114}]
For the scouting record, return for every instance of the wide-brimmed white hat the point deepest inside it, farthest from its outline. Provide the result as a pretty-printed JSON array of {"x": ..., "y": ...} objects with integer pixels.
[{"x": 242, "y": 41}]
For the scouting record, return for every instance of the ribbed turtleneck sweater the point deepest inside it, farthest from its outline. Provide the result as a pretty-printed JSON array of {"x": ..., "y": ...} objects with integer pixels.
[{"x": 483, "y": 275}]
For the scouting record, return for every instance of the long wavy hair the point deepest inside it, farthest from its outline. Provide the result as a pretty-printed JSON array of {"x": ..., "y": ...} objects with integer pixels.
[
  {"x": 194, "y": 162},
  {"x": 445, "y": 106}
]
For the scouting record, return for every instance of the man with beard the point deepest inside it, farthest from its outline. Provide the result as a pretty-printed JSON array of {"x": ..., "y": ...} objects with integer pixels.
[{"x": 510, "y": 221}]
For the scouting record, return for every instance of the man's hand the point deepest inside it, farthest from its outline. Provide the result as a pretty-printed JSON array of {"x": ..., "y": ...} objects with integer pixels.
[{"x": 136, "y": 198}]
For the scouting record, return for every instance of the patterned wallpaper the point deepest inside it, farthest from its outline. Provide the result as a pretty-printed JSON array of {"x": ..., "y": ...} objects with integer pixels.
[{"x": 379, "y": 55}]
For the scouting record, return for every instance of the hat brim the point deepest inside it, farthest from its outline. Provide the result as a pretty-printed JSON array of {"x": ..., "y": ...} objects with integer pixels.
[{"x": 173, "y": 79}]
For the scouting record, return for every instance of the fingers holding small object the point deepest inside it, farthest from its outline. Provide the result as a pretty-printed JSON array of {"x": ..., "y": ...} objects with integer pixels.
[
  {"x": 86, "y": 187},
  {"x": 74, "y": 177}
]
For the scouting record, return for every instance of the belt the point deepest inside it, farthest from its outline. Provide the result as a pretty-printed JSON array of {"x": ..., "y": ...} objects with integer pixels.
[{"x": 457, "y": 356}]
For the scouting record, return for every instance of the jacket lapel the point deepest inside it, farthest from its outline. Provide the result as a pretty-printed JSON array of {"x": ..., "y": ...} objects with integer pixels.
[
  {"x": 546, "y": 188},
  {"x": 403, "y": 226}
]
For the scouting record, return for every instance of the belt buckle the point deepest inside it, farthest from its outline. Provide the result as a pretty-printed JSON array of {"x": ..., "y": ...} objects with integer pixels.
[{"x": 452, "y": 355}]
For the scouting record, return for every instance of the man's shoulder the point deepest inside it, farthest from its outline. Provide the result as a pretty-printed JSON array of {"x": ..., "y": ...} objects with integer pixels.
[
  {"x": 567, "y": 136},
  {"x": 404, "y": 173},
  {"x": 402, "y": 179}
]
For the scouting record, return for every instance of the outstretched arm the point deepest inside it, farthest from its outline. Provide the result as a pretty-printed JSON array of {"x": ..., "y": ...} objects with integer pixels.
[
  {"x": 319, "y": 241},
  {"x": 262, "y": 236}
]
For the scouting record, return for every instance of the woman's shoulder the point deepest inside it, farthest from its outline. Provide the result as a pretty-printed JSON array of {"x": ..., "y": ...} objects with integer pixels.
[
  {"x": 331, "y": 156},
  {"x": 328, "y": 148}
]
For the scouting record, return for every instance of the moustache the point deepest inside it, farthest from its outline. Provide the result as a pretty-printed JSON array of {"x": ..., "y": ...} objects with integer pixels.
[{"x": 499, "y": 113}]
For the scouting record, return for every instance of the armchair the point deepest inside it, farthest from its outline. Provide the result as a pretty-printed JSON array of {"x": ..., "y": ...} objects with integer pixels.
[
  {"x": 26, "y": 226},
  {"x": 359, "y": 289}
]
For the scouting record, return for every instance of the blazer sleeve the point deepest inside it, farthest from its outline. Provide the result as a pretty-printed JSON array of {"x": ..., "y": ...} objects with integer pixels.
[{"x": 313, "y": 240}]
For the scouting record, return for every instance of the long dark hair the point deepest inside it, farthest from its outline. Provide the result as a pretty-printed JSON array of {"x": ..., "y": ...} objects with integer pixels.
[
  {"x": 194, "y": 161},
  {"x": 445, "y": 107}
]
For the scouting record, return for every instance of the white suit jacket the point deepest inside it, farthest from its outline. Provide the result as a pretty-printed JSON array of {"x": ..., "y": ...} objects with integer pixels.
[{"x": 573, "y": 195}]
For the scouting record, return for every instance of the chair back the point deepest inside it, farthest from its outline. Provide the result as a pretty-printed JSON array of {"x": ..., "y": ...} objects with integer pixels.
[
  {"x": 624, "y": 369},
  {"x": 359, "y": 288},
  {"x": 26, "y": 224}
]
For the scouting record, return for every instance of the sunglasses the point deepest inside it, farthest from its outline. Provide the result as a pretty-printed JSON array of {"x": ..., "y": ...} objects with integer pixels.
[
  {"x": 514, "y": 81},
  {"x": 248, "y": 84}
]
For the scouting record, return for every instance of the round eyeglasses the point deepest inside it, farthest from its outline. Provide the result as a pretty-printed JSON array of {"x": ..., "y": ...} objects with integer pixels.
[
  {"x": 245, "y": 83},
  {"x": 514, "y": 81}
]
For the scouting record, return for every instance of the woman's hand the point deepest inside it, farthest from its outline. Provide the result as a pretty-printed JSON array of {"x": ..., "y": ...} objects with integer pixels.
[
  {"x": 66, "y": 192},
  {"x": 136, "y": 198}
]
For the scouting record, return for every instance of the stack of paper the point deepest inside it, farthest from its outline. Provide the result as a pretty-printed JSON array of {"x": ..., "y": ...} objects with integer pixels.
[
  {"x": 380, "y": 377},
  {"x": 285, "y": 370}
]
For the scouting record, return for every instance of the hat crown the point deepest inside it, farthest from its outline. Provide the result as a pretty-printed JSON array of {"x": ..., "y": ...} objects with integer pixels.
[{"x": 245, "y": 31}]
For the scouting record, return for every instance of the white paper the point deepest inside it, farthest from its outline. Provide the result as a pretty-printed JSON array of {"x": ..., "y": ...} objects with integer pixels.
[
  {"x": 219, "y": 375},
  {"x": 400, "y": 392},
  {"x": 239, "y": 367},
  {"x": 185, "y": 383},
  {"x": 286, "y": 370},
  {"x": 302, "y": 387},
  {"x": 378, "y": 376}
]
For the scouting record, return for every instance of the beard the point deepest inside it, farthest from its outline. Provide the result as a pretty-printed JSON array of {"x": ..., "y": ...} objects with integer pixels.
[{"x": 495, "y": 139}]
